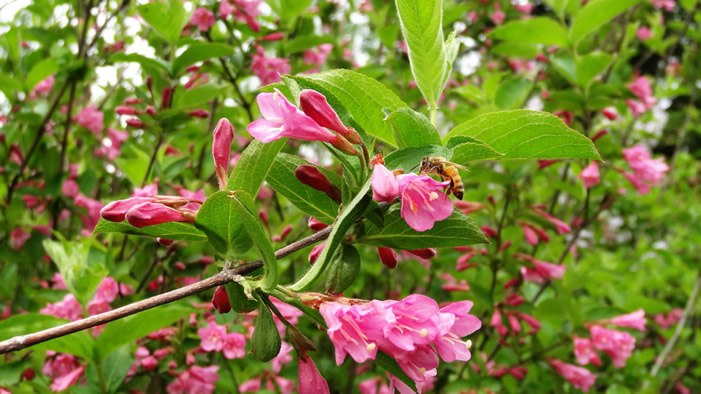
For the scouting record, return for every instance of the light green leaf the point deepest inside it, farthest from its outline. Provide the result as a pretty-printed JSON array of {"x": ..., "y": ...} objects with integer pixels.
[
  {"x": 166, "y": 17},
  {"x": 591, "y": 65},
  {"x": 524, "y": 134},
  {"x": 9, "y": 86},
  {"x": 114, "y": 368},
  {"x": 255, "y": 229},
  {"x": 254, "y": 165},
  {"x": 540, "y": 30},
  {"x": 299, "y": 44},
  {"x": 199, "y": 52},
  {"x": 358, "y": 99},
  {"x": 466, "y": 149},
  {"x": 565, "y": 64},
  {"x": 511, "y": 94},
  {"x": 422, "y": 27},
  {"x": 196, "y": 96},
  {"x": 131, "y": 328},
  {"x": 412, "y": 129},
  {"x": 155, "y": 63},
  {"x": 79, "y": 344},
  {"x": 220, "y": 220},
  {"x": 288, "y": 10},
  {"x": 71, "y": 258},
  {"x": 310, "y": 201},
  {"x": 177, "y": 231},
  {"x": 456, "y": 230},
  {"x": 595, "y": 14},
  {"x": 408, "y": 159},
  {"x": 40, "y": 71},
  {"x": 513, "y": 48}
]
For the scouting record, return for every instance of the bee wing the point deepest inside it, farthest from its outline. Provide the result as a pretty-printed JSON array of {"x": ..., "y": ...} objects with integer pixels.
[{"x": 458, "y": 166}]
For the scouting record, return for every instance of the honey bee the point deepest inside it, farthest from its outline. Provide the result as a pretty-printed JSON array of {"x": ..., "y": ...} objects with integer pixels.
[{"x": 446, "y": 170}]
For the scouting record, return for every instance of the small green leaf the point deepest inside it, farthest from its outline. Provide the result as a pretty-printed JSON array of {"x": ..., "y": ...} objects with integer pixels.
[
  {"x": 299, "y": 44},
  {"x": 220, "y": 220},
  {"x": 254, "y": 165},
  {"x": 177, "y": 231},
  {"x": 540, "y": 30},
  {"x": 238, "y": 299},
  {"x": 525, "y": 134},
  {"x": 81, "y": 277},
  {"x": 591, "y": 65},
  {"x": 199, "y": 52},
  {"x": 9, "y": 86},
  {"x": 40, "y": 71},
  {"x": 80, "y": 343},
  {"x": 147, "y": 62},
  {"x": 408, "y": 159},
  {"x": 412, "y": 129},
  {"x": 343, "y": 269},
  {"x": 467, "y": 149},
  {"x": 255, "y": 229},
  {"x": 390, "y": 365},
  {"x": 197, "y": 96},
  {"x": 288, "y": 10},
  {"x": 166, "y": 17},
  {"x": 517, "y": 49},
  {"x": 265, "y": 341},
  {"x": 456, "y": 230},
  {"x": 421, "y": 22},
  {"x": 511, "y": 94},
  {"x": 114, "y": 368},
  {"x": 595, "y": 14},
  {"x": 565, "y": 64}
]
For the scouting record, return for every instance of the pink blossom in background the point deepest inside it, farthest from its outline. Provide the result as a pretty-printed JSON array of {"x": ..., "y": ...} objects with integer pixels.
[
  {"x": 18, "y": 237},
  {"x": 316, "y": 251},
  {"x": 636, "y": 107},
  {"x": 107, "y": 290},
  {"x": 609, "y": 113},
  {"x": 643, "y": 33},
  {"x": 43, "y": 88},
  {"x": 498, "y": 17},
  {"x": 526, "y": 8},
  {"x": 65, "y": 381},
  {"x": 668, "y": 320},
  {"x": 645, "y": 168},
  {"x": 310, "y": 380},
  {"x": 590, "y": 175},
  {"x": 666, "y": 4},
  {"x": 202, "y": 18},
  {"x": 247, "y": 11},
  {"x": 638, "y": 184},
  {"x": 642, "y": 89},
  {"x": 92, "y": 208},
  {"x": 529, "y": 234},
  {"x": 617, "y": 344},
  {"x": 452, "y": 284},
  {"x": 388, "y": 257},
  {"x": 635, "y": 320},
  {"x": 225, "y": 9},
  {"x": 385, "y": 186},
  {"x": 560, "y": 226},
  {"x": 317, "y": 56},
  {"x": 423, "y": 201},
  {"x": 585, "y": 352},
  {"x": 579, "y": 377},
  {"x": 199, "y": 380},
  {"x": 283, "y": 358},
  {"x": 234, "y": 345},
  {"x": 68, "y": 308},
  {"x": 91, "y": 118},
  {"x": 146, "y": 191},
  {"x": 268, "y": 69},
  {"x": 211, "y": 337}
]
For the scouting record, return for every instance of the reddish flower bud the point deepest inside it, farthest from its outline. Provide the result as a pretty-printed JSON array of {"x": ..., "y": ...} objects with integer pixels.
[
  {"x": 164, "y": 242},
  {"x": 124, "y": 110},
  {"x": 199, "y": 113},
  {"x": 221, "y": 147},
  {"x": 136, "y": 123},
  {"x": 149, "y": 83},
  {"x": 315, "y": 224},
  {"x": 315, "y": 106},
  {"x": 180, "y": 266},
  {"x": 116, "y": 210},
  {"x": 344, "y": 146},
  {"x": 600, "y": 134},
  {"x": 609, "y": 113},
  {"x": 285, "y": 232},
  {"x": 272, "y": 37},
  {"x": 133, "y": 101},
  {"x": 193, "y": 68},
  {"x": 264, "y": 217},
  {"x": 505, "y": 246},
  {"x": 28, "y": 374},
  {"x": 514, "y": 299},
  {"x": 511, "y": 283},
  {"x": 150, "y": 214},
  {"x": 220, "y": 300},
  {"x": 547, "y": 163},
  {"x": 166, "y": 97},
  {"x": 489, "y": 231},
  {"x": 312, "y": 177},
  {"x": 316, "y": 251},
  {"x": 388, "y": 257},
  {"x": 426, "y": 253},
  {"x": 150, "y": 110}
]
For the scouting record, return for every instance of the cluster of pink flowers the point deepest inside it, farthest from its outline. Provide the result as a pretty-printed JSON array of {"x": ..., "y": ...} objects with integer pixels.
[
  {"x": 243, "y": 10},
  {"x": 647, "y": 172},
  {"x": 618, "y": 345},
  {"x": 202, "y": 18},
  {"x": 43, "y": 88},
  {"x": 216, "y": 339},
  {"x": 643, "y": 91},
  {"x": 317, "y": 56},
  {"x": 195, "y": 380},
  {"x": 111, "y": 146},
  {"x": 542, "y": 271},
  {"x": 669, "y": 319},
  {"x": 268, "y": 69},
  {"x": 91, "y": 118},
  {"x": 590, "y": 175},
  {"x": 579, "y": 377},
  {"x": 64, "y": 370},
  {"x": 514, "y": 317},
  {"x": 666, "y": 4},
  {"x": 403, "y": 329}
]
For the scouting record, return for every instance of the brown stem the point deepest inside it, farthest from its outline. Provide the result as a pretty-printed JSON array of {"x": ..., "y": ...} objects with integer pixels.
[{"x": 153, "y": 158}]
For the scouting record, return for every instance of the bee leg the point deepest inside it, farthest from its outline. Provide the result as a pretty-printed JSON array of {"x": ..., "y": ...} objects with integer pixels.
[{"x": 450, "y": 187}]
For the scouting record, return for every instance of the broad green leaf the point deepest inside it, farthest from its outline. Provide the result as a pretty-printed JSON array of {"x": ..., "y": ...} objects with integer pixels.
[
  {"x": 591, "y": 65},
  {"x": 166, "y": 17},
  {"x": 557, "y": 5},
  {"x": 350, "y": 214},
  {"x": 565, "y": 64},
  {"x": 81, "y": 277},
  {"x": 467, "y": 149},
  {"x": 9, "y": 86},
  {"x": 197, "y": 96},
  {"x": 412, "y": 129},
  {"x": 129, "y": 329},
  {"x": 513, "y": 48},
  {"x": 595, "y": 14},
  {"x": 11, "y": 371},
  {"x": 524, "y": 134},
  {"x": 254, "y": 166},
  {"x": 302, "y": 43},
  {"x": 80, "y": 343},
  {"x": 177, "y": 231},
  {"x": 265, "y": 341},
  {"x": 114, "y": 368},
  {"x": 310, "y": 201},
  {"x": 470, "y": 92},
  {"x": 220, "y": 220},
  {"x": 390, "y": 365},
  {"x": 255, "y": 229},
  {"x": 40, "y": 71},
  {"x": 237, "y": 298},
  {"x": 456, "y": 230},
  {"x": 540, "y": 30},
  {"x": 409, "y": 159},
  {"x": 343, "y": 270},
  {"x": 288, "y": 10},
  {"x": 199, "y": 52},
  {"x": 422, "y": 28},
  {"x": 511, "y": 94},
  {"x": 155, "y": 62},
  {"x": 360, "y": 97}
]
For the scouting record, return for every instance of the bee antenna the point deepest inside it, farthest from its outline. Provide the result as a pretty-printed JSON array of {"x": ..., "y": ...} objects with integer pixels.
[{"x": 413, "y": 168}]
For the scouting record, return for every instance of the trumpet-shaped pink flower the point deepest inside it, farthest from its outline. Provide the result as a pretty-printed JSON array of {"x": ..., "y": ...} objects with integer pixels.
[
  {"x": 543, "y": 270},
  {"x": 645, "y": 169},
  {"x": 355, "y": 329},
  {"x": 423, "y": 201},
  {"x": 283, "y": 357},
  {"x": 617, "y": 344},
  {"x": 413, "y": 322},
  {"x": 590, "y": 175},
  {"x": 202, "y": 18},
  {"x": 585, "y": 352},
  {"x": 529, "y": 234},
  {"x": 107, "y": 290},
  {"x": 385, "y": 187},
  {"x": 246, "y": 11},
  {"x": 634, "y": 320},
  {"x": 638, "y": 184},
  {"x": 310, "y": 380},
  {"x": 283, "y": 119},
  {"x": 579, "y": 377},
  {"x": 212, "y": 337},
  {"x": 449, "y": 343},
  {"x": 268, "y": 69},
  {"x": 560, "y": 226},
  {"x": 91, "y": 118},
  {"x": 68, "y": 308}
]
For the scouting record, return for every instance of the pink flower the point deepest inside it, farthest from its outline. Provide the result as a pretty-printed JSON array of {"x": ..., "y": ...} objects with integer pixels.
[
  {"x": 234, "y": 345},
  {"x": 316, "y": 251},
  {"x": 452, "y": 284},
  {"x": 220, "y": 300},
  {"x": 543, "y": 270},
  {"x": 590, "y": 175},
  {"x": 150, "y": 214},
  {"x": 385, "y": 187},
  {"x": 195, "y": 380},
  {"x": 60, "y": 365},
  {"x": 643, "y": 90},
  {"x": 640, "y": 186},
  {"x": 43, "y": 88},
  {"x": 146, "y": 191},
  {"x": 609, "y": 113},
  {"x": 268, "y": 69},
  {"x": 579, "y": 377},
  {"x": 221, "y": 148},
  {"x": 617, "y": 344},
  {"x": 560, "y": 226},
  {"x": 585, "y": 352},
  {"x": 310, "y": 380},
  {"x": 524, "y": 8},
  {"x": 644, "y": 33},
  {"x": 283, "y": 357},
  {"x": 317, "y": 56},
  {"x": 644, "y": 168},
  {"x": 634, "y": 320},
  {"x": 212, "y": 337},
  {"x": 636, "y": 107},
  {"x": 91, "y": 118},
  {"x": 283, "y": 119},
  {"x": 92, "y": 208},
  {"x": 449, "y": 343},
  {"x": 247, "y": 10},
  {"x": 18, "y": 237},
  {"x": 69, "y": 308},
  {"x": 225, "y": 9},
  {"x": 529, "y": 234},
  {"x": 666, "y": 4},
  {"x": 202, "y": 18},
  {"x": 498, "y": 17},
  {"x": 63, "y": 382},
  {"x": 107, "y": 290},
  {"x": 423, "y": 201}
]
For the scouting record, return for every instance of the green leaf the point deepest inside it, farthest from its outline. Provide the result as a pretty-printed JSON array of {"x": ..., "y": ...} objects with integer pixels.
[
  {"x": 40, "y": 71},
  {"x": 299, "y": 44},
  {"x": 265, "y": 341},
  {"x": 288, "y": 10},
  {"x": 357, "y": 98},
  {"x": 390, "y": 365},
  {"x": 131, "y": 328},
  {"x": 466, "y": 149},
  {"x": 595, "y": 14},
  {"x": 343, "y": 269},
  {"x": 540, "y": 30},
  {"x": 221, "y": 221},
  {"x": 196, "y": 96},
  {"x": 166, "y": 17},
  {"x": 255, "y": 229},
  {"x": 199, "y": 52},
  {"x": 524, "y": 134},
  {"x": 565, "y": 64},
  {"x": 238, "y": 299},
  {"x": 421, "y": 22},
  {"x": 71, "y": 258},
  {"x": 177, "y": 231},
  {"x": 412, "y": 129},
  {"x": 456, "y": 230},
  {"x": 310, "y": 201},
  {"x": 518, "y": 49},
  {"x": 345, "y": 220},
  {"x": 114, "y": 368},
  {"x": 147, "y": 62},
  {"x": 511, "y": 94},
  {"x": 408, "y": 159},
  {"x": 254, "y": 166},
  {"x": 591, "y": 65},
  {"x": 9, "y": 86},
  {"x": 80, "y": 343}
]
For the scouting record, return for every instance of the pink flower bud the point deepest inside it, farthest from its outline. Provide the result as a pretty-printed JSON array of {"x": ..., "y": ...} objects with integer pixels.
[
  {"x": 315, "y": 106},
  {"x": 426, "y": 253},
  {"x": 272, "y": 37},
  {"x": 220, "y": 300},
  {"x": 166, "y": 97},
  {"x": 132, "y": 101},
  {"x": 149, "y": 83},
  {"x": 136, "y": 123},
  {"x": 116, "y": 210},
  {"x": 285, "y": 232},
  {"x": 124, "y": 110},
  {"x": 151, "y": 110},
  {"x": 316, "y": 251},
  {"x": 489, "y": 231},
  {"x": 221, "y": 147},
  {"x": 600, "y": 134},
  {"x": 150, "y": 214},
  {"x": 164, "y": 242},
  {"x": 388, "y": 257},
  {"x": 264, "y": 217},
  {"x": 610, "y": 113},
  {"x": 310, "y": 380},
  {"x": 199, "y": 113},
  {"x": 315, "y": 225},
  {"x": 312, "y": 177}
]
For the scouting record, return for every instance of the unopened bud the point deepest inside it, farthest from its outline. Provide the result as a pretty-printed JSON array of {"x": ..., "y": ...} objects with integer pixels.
[
  {"x": 116, "y": 210},
  {"x": 28, "y": 374},
  {"x": 316, "y": 251},
  {"x": 149, "y": 84},
  {"x": 344, "y": 146},
  {"x": 150, "y": 214},
  {"x": 264, "y": 217},
  {"x": 285, "y": 232},
  {"x": 193, "y": 68},
  {"x": 136, "y": 123},
  {"x": 315, "y": 106},
  {"x": 164, "y": 242},
  {"x": 133, "y": 101},
  {"x": 388, "y": 257},
  {"x": 166, "y": 97},
  {"x": 505, "y": 246},
  {"x": 272, "y": 37},
  {"x": 312, "y": 177},
  {"x": 221, "y": 147},
  {"x": 151, "y": 110},
  {"x": 220, "y": 300},
  {"x": 378, "y": 159},
  {"x": 315, "y": 224},
  {"x": 489, "y": 231},
  {"x": 199, "y": 113},
  {"x": 426, "y": 253},
  {"x": 600, "y": 134},
  {"x": 511, "y": 283},
  {"x": 124, "y": 110},
  {"x": 609, "y": 113}
]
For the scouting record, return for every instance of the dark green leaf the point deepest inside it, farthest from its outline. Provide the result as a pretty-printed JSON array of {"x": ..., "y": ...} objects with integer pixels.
[
  {"x": 412, "y": 129},
  {"x": 408, "y": 159},
  {"x": 177, "y": 231},
  {"x": 199, "y": 52},
  {"x": 238, "y": 299},
  {"x": 221, "y": 221},
  {"x": 343, "y": 270},
  {"x": 254, "y": 165},
  {"x": 540, "y": 30},
  {"x": 265, "y": 341}
]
